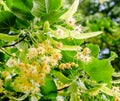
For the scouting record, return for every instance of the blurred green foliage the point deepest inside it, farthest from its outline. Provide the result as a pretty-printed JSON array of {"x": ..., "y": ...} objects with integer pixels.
[{"x": 105, "y": 17}]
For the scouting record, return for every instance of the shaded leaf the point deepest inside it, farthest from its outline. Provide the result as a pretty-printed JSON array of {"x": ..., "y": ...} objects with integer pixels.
[
  {"x": 20, "y": 8},
  {"x": 7, "y": 20},
  {"x": 49, "y": 86}
]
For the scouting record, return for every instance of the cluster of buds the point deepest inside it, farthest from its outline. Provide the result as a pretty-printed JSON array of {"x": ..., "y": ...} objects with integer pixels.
[
  {"x": 84, "y": 55},
  {"x": 63, "y": 66}
]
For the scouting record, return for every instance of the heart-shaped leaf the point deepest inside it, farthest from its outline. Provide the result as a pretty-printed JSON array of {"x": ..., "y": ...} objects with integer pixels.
[{"x": 7, "y": 20}]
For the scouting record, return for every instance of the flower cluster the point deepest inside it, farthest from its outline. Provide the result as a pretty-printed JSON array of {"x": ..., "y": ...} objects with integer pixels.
[
  {"x": 84, "y": 55},
  {"x": 39, "y": 62}
]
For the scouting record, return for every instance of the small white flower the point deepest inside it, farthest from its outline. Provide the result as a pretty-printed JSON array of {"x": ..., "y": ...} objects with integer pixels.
[
  {"x": 32, "y": 53},
  {"x": 77, "y": 29},
  {"x": 80, "y": 55},
  {"x": 11, "y": 62},
  {"x": 86, "y": 58},
  {"x": 59, "y": 32},
  {"x": 41, "y": 50},
  {"x": 59, "y": 98},
  {"x": 71, "y": 21}
]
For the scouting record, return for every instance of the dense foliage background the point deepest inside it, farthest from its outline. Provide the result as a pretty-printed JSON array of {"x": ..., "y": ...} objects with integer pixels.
[{"x": 59, "y": 50}]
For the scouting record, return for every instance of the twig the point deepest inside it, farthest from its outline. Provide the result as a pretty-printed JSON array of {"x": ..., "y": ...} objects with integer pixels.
[
  {"x": 63, "y": 88},
  {"x": 15, "y": 42}
]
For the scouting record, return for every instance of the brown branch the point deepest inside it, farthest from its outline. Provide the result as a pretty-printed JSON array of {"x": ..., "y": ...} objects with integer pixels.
[
  {"x": 63, "y": 88},
  {"x": 15, "y": 42}
]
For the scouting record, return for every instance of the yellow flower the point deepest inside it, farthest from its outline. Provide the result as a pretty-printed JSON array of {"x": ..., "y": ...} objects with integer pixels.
[
  {"x": 11, "y": 62},
  {"x": 57, "y": 56},
  {"x": 79, "y": 55},
  {"x": 86, "y": 51},
  {"x": 32, "y": 53},
  {"x": 53, "y": 62},
  {"x": 41, "y": 50},
  {"x": 59, "y": 45},
  {"x": 45, "y": 68},
  {"x": 5, "y": 74}
]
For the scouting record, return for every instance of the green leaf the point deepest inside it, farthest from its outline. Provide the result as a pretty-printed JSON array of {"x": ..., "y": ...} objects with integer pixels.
[
  {"x": 39, "y": 8},
  {"x": 94, "y": 50},
  {"x": 71, "y": 10},
  {"x": 49, "y": 86},
  {"x": 73, "y": 87},
  {"x": 61, "y": 77},
  {"x": 21, "y": 8},
  {"x": 43, "y": 7},
  {"x": 55, "y": 14},
  {"x": 107, "y": 91},
  {"x": 74, "y": 97},
  {"x": 20, "y": 24},
  {"x": 99, "y": 70},
  {"x": 7, "y": 20},
  {"x": 8, "y": 38},
  {"x": 23, "y": 97},
  {"x": 85, "y": 35},
  {"x": 95, "y": 90},
  {"x": 2, "y": 57},
  {"x": 54, "y": 5},
  {"x": 112, "y": 56}
]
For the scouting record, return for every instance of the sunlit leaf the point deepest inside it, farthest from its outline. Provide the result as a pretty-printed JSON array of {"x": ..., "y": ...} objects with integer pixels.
[
  {"x": 61, "y": 77},
  {"x": 34, "y": 98},
  {"x": 73, "y": 87},
  {"x": 85, "y": 35},
  {"x": 112, "y": 56},
  {"x": 7, "y": 38},
  {"x": 94, "y": 50},
  {"x": 71, "y": 10},
  {"x": 19, "y": 98},
  {"x": 99, "y": 70},
  {"x": 74, "y": 97}
]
